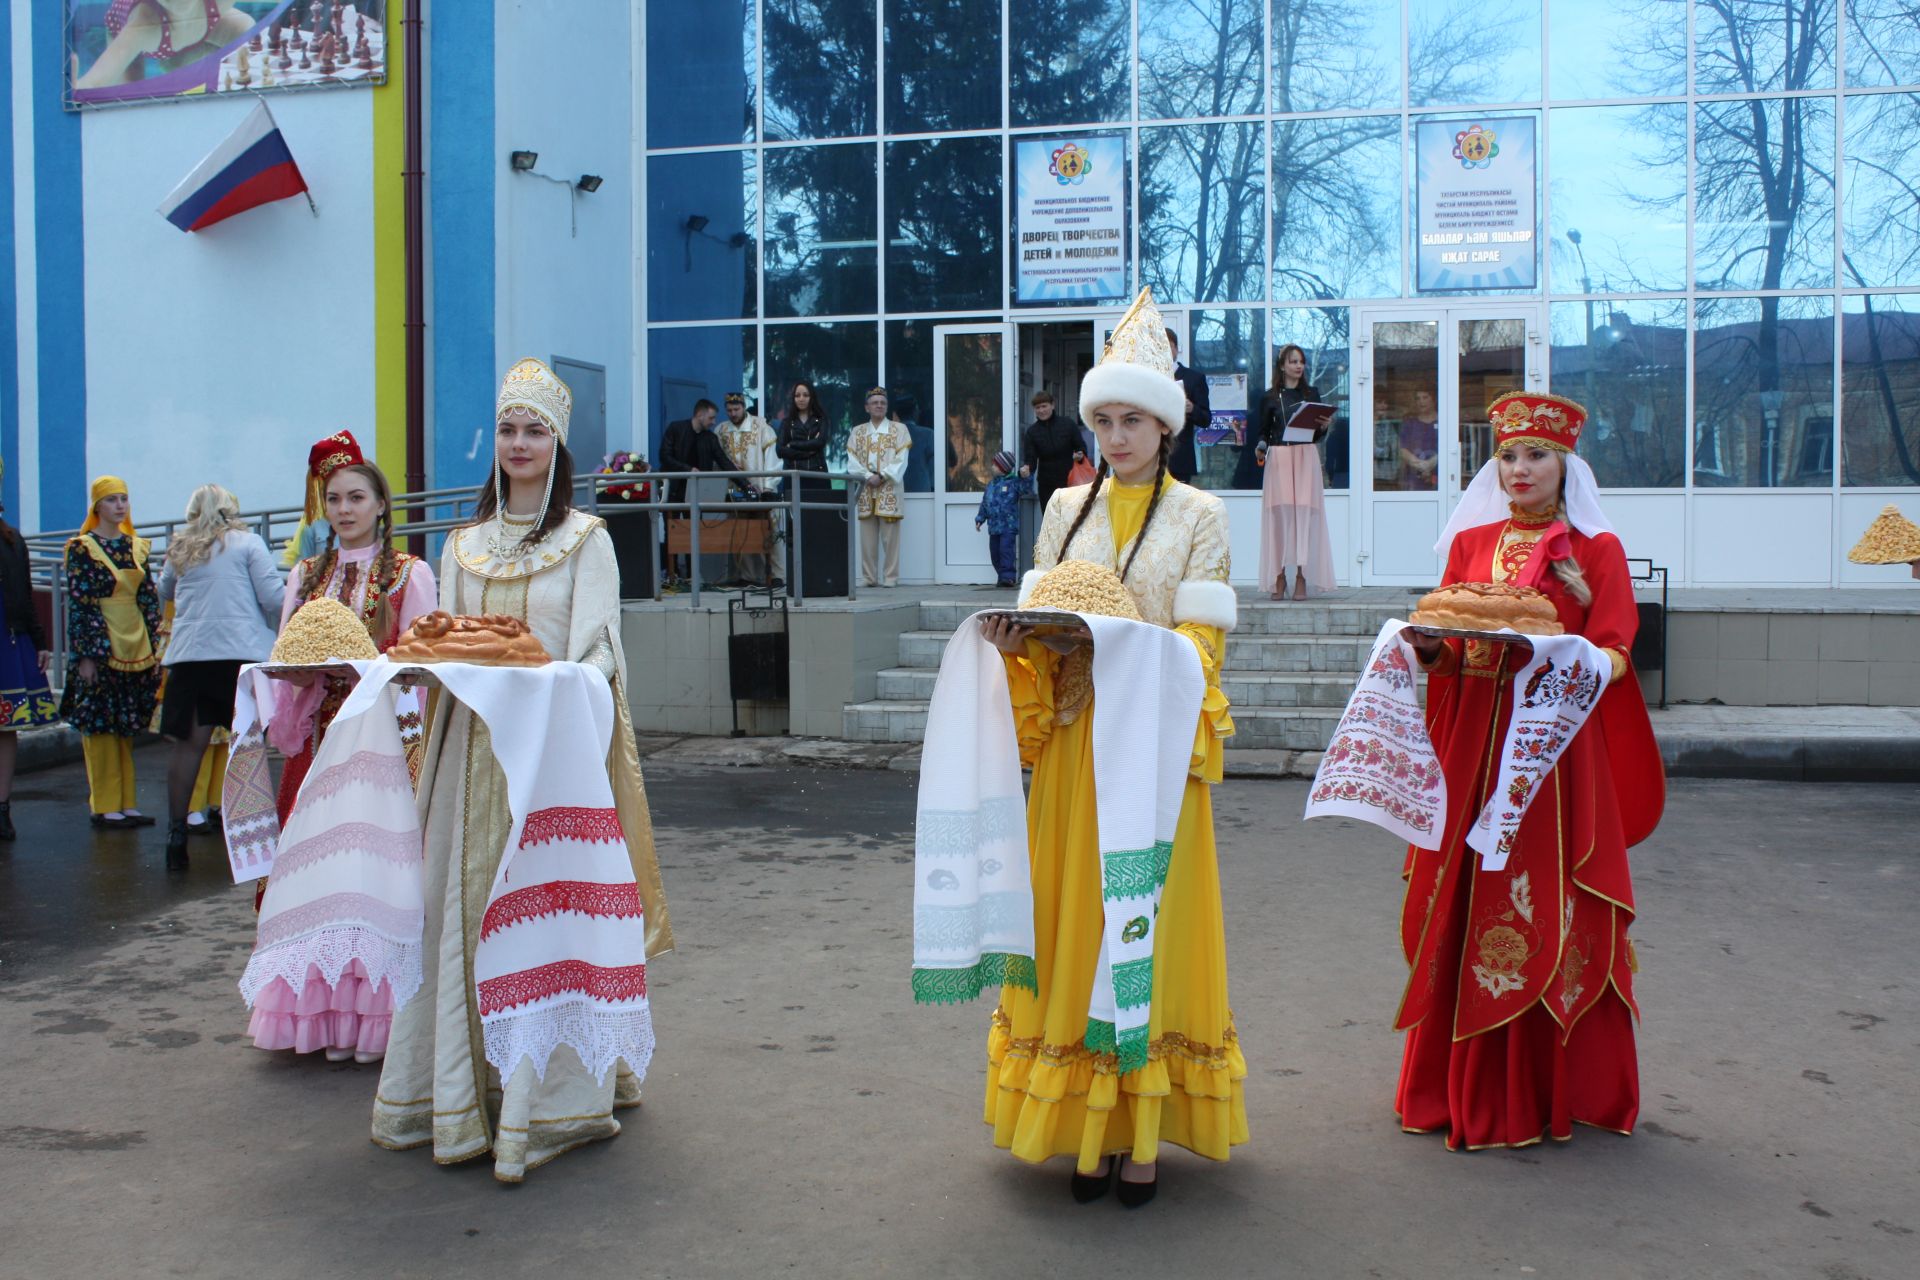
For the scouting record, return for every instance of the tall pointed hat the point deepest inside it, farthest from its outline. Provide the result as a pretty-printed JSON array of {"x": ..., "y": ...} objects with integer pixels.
[{"x": 1136, "y": 368}]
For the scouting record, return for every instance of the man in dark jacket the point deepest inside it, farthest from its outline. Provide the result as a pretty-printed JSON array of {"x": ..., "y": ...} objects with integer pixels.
[
  {"x": 1049, "y": 446},
  {"x": 1185, "y": 459},
  {"x": 691, "y": 445}
]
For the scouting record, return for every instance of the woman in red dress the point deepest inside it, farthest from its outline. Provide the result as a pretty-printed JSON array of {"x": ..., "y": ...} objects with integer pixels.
[{"x": 1519, "y": 1009}]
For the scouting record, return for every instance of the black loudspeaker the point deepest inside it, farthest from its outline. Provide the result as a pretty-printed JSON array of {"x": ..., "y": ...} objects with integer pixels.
[
  {"x": 635, "y": 552},
  {"x": 823, "y": 552}
]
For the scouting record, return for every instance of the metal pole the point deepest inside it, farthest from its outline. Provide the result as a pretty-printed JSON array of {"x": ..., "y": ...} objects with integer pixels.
[
  {"x": 794, "y": 579},
  {"x": 657, "y": 522},
  {"x": 693, "y": 544},
  {"x": 853, "y": 539}
]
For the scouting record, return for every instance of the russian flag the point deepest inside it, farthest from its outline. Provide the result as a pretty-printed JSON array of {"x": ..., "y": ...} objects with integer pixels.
[{"x": 252, "y": 167}]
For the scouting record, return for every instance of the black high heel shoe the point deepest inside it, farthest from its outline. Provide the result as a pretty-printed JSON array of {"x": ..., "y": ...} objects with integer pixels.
[
  {"x": 176, "y": 846},
  {"x": 1088, "y": 1187},
  {"x": 1134, "y": 1194},
  {"x": 6, "y": 821}
]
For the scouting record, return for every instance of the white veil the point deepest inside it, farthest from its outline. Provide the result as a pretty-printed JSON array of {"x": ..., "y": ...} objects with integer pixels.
[{"x": 1484, "y": 502}]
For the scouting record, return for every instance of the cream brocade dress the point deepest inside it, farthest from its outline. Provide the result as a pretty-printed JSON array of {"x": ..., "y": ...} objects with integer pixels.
[{"x": 437, "y": 1086}]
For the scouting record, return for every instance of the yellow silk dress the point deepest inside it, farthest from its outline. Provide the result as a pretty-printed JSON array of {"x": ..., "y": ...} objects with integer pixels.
[{"x": 1047, "y": 1093}]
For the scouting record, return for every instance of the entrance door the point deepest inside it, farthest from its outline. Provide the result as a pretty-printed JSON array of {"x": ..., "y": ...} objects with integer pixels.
[
  {"x": 973, "y": 419},
  {"x": 1424, "y": 378}
]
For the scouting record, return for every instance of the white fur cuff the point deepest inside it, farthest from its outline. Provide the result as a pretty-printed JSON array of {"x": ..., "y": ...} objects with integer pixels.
[
  {"x": 1028, "y": 582},
  {"x": 1211, "y": 604}
]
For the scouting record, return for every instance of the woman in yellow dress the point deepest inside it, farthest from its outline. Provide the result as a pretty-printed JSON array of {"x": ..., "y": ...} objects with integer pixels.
[{"x": 1048, "y": 1093}]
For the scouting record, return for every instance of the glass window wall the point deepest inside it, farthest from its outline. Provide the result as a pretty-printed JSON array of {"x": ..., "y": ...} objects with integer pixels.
[
  {"x": 1606, "y": 49},
  {"x": 1883, "y": 44},
  {"x": 701, "y": 72},
  {"x": 1763, "y": 193},
  {"x": 1201, "y": 207},
  {"x": 944, "y": 224},
  {"x": 1619, "y": 213},
  {"x": 1335, "y": 57},
  {"x": 943, "y": 65},
  {"x": 1880, "y": 390},
  {"x": 822, "y": 237},
  {"x": 702, "y": 216},
  {"x": 1880, "y": 224},
  {"x": 1762, "y": 385},
  {"x": 1499, "y": 62},
  {"x": 820, "y": 61},
  {"x": 1201, "y": 58},
  {"x": 1626, "y": 361},
  {"x": 1225, "y": 345},
  {"x": 1082, "y": 80},
  {"x": 696, "y": 362},
  {"x": 1762, "y": 46},
  {"x": 1336, "y": 207}
]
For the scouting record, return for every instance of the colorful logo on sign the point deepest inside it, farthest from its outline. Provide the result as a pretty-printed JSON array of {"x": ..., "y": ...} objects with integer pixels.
[
  {"x": 1475, "y": 148},
  {"x": 1071, "y": 164}
]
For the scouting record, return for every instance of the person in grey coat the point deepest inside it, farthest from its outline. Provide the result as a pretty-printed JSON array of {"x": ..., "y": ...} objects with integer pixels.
[{"x": 226, "y": 595}]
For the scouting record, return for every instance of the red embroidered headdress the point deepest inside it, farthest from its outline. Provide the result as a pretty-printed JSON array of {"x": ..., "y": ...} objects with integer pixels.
[{"x": 1533, "y": 417}]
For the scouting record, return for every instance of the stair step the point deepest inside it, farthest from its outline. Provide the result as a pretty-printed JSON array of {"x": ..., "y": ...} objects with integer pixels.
[
  {"x": 1257, "y": 616},
  {"x": 1243, "y": 688},
  {"x": 1272, "y": 728},
  {"x": 1329, "y": 654}
]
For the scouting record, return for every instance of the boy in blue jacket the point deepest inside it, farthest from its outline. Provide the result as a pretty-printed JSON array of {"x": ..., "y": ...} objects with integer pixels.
[{"x": 1000, "y": 513}]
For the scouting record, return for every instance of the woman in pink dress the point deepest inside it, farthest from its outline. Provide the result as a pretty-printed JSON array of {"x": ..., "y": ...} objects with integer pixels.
[
  {"x": 1293, "y": 499},
  {"x": 388, "y": 589}
]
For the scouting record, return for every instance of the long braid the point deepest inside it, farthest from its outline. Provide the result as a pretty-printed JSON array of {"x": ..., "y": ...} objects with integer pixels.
[
  {"x": 1153, "y": 503},
  {"x": 381, "y": 573},
  {"x": 1093, "y": 492},
  {"x": 322, "y": 571}
]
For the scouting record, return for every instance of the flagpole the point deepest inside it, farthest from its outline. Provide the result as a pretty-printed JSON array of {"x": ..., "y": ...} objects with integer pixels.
[{"x": 304, "y": 189}]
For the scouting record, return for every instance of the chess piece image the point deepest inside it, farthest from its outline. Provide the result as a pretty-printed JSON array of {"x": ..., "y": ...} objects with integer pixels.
[
  {"x": 327, "y": 65},
  {"x": 362, "y": 48},
  {"x": 243, "y": 60}
]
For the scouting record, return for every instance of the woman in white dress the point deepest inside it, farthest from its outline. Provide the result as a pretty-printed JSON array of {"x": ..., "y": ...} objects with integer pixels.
[{"x": 530, "y": 555}]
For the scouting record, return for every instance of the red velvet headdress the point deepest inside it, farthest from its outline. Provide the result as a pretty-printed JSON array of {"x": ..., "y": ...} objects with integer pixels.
[{"x": 1532, "y": 417}]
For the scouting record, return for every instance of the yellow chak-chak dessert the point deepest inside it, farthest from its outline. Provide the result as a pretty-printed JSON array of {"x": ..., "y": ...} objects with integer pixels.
[
  {"x": 488, "y": 640},
  {"x": 1890, "y": 539},
  {"x": 1488, "y": 606},
  {"x": 321, "y": 631},
  {"x": 1083, "y": 587}
]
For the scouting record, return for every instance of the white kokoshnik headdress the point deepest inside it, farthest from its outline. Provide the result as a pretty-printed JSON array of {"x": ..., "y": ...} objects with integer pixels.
[{"x": 536, "y": 389}]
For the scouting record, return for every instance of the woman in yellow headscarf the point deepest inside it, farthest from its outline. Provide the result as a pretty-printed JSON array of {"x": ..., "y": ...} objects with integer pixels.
[{"x": 113, "y": 628}]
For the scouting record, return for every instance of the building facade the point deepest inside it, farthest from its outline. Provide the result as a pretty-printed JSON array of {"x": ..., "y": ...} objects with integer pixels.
[
  {"x": 1697, "y": 219},
  {"x": 1712, "y": 240}
]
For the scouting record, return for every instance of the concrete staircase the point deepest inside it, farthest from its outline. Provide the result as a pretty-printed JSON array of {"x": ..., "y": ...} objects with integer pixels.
[{"x": 1288, "y": 672}]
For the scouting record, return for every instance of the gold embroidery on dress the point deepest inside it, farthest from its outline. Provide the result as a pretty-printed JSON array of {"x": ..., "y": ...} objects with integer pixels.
[
  {"x": 1171, "y": 1044},
  {"x": 1503, "y": 952}
]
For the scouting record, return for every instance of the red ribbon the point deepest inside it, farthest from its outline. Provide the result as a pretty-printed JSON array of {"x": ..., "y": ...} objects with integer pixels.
[{"x": 1553, "y": 544}]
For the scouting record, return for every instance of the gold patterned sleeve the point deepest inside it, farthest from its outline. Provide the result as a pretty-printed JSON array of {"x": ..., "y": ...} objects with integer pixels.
[
  {"x": 1622, "y": 663},
  {"x": 1046, "y": 547}
]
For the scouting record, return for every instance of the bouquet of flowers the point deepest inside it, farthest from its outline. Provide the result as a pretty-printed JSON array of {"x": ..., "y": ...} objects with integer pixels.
[{"x": 625, "y": 463}]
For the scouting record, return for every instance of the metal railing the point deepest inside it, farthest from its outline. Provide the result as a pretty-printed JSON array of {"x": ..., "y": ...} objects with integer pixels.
[{"x": 437, "y": 511}]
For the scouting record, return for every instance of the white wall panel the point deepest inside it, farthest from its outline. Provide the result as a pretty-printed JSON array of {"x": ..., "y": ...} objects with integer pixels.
[
  {"x": 221, "y": 355},
  {"x": 1762, "y": 539}
]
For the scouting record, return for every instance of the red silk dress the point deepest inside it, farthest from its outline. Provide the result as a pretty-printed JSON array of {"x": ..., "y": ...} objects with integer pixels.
[{"x": 1519, "y": 1007}]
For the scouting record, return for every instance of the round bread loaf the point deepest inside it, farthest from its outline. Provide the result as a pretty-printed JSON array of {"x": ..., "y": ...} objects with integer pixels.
[
  {"x": 488, "y": 640},
  {"x": 1489, "y": 606},
  {"x": 1081, "y": 586}
]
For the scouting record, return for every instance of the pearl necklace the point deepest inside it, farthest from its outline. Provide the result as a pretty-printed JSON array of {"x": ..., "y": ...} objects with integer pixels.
[{"x": 509, "y": 538}]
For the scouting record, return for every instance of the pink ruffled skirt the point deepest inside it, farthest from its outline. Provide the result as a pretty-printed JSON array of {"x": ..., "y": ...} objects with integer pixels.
[{"x": 355, "y": 1015}]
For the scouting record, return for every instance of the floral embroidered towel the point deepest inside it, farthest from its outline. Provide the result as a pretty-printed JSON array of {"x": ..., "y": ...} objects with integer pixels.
[{"x": 1380, "y": 766}]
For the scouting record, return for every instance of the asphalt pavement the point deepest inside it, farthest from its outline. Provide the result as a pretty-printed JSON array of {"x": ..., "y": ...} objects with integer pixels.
[{"x": 803, "y": 1117}]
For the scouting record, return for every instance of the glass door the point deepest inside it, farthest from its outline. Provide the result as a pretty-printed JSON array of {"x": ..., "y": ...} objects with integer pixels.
[
  {"x": 973, "y": 419},
  {"x": 1424, "y": 380}
]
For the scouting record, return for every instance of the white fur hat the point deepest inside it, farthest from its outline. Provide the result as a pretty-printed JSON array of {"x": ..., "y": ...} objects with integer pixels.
[{"x": 1136, "y": 368}]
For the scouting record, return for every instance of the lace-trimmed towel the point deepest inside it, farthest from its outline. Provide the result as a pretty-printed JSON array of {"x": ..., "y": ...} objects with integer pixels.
[
  {"x": 562, "y": 952},
  {"x": 973, "y": 894},
  {"x": 1381, "y": 767}
]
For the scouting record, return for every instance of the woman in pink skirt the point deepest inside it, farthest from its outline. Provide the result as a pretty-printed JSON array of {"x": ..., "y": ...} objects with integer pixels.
[{"x": 1293, "y": 499}]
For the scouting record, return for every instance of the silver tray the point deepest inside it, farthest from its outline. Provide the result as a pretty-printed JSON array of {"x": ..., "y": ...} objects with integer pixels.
[
  {"x": 1467, "y": 633},
  {"x": 1040, "y": 619}
]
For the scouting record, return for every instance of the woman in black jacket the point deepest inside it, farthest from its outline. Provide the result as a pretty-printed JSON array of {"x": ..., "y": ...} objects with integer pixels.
[
  {"x": 25, "y": 700},
  {"x": 803, "y": 431}
]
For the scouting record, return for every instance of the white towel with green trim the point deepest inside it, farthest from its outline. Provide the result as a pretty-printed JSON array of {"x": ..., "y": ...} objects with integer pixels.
[
  {"x": 1147, "y": 691},
  {"x": 973, "y": 893}
]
